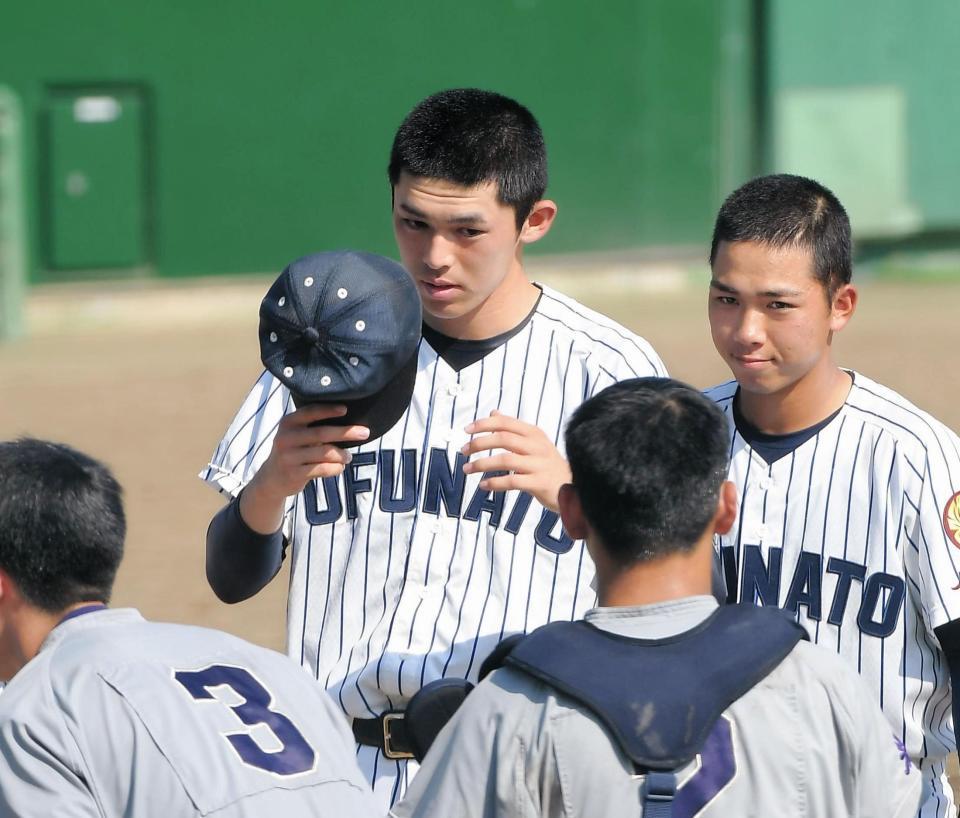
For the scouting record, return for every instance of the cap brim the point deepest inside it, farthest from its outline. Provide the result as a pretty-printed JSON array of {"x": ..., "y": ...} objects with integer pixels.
[{"x": 380, "y": 411}]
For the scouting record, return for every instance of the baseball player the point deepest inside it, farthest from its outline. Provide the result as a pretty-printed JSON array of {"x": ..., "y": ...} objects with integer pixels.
[
  {"x": 106, "y": 714},
  {"x": 849, "y": 505},
  {"x": 547, "y": 736},
  {"x": 413, "y": 555}
]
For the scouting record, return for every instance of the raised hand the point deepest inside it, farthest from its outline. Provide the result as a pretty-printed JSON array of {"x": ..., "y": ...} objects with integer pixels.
[
  {"x": 300, "y": 453},
  {"x": 532, "y": 462}
]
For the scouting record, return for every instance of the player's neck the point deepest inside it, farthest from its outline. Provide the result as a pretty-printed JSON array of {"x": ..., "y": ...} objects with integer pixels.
[
  {"x": 505, "y": 308},
  {"x": 807, "y": 402},
  {"x": 24, "y": 631},
  {"x": 674, "y": 576}
]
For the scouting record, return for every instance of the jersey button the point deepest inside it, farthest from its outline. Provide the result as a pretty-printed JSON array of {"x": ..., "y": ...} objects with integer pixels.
[{"x": 454, "y": 389}]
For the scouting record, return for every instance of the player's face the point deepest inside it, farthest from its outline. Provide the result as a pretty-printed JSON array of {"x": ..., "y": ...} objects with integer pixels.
[
  {"x": 463, "y": 249},
  {"x": 771, "y": 319}
]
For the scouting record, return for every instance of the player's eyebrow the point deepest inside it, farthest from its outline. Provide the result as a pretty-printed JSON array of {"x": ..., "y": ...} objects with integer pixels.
[
  {"x": 780, "y": 293},
  {"x": 462, "y": 218},
  {"x": 467, "y": 218},
  {"x": 726, "y": 288},
  {"x": 411, "y": 210}
]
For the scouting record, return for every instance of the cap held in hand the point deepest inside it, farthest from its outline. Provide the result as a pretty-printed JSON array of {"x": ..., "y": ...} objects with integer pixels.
[{"x": 344, "y": 327}]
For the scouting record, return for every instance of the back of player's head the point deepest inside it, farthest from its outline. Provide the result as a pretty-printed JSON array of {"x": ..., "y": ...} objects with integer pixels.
[
  {"x": 469, "y": 137},
  {"x": 648, "y": 457},
  {"x": 784, "y": 210},
  {"x": 62, "y": 524}
]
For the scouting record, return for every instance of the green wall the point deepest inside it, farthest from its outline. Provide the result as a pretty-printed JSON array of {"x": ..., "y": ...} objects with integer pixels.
[
  {"x": 267, "y": 126},
  {"x": 863, "y": 96}
]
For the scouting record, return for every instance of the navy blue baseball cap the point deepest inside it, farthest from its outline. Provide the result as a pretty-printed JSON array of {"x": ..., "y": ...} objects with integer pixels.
[{"x": 344, "y": 327}]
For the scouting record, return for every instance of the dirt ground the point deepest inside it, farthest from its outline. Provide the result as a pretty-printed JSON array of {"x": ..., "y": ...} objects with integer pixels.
[{"x": 147, "y": 378}]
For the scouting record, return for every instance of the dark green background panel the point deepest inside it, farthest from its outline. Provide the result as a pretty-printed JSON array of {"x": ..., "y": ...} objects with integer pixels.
[
  {"x": 270, "y": 125},
  {"x": 863, "y": 94}
]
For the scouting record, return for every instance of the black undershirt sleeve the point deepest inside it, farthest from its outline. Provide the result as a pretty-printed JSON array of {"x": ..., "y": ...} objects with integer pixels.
[
  {"x": 239, "y": 560},
  {"x": 949, "y": 637}
]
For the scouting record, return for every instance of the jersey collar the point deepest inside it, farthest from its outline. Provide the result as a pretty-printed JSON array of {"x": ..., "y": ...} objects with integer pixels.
[{"x": 85, "y": 609}]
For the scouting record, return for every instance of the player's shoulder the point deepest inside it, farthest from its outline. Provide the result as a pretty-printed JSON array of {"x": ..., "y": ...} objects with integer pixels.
[
  {"x": 506, "y": 689},
  {"x": 579, "y": 318},
  {"x": 75, "y": 655},
  {"x": 27, "y": 692},
  {"x": 722, "y": 393},
  {"x": 266, "y": 393},
  {"x": 819, "y": 675},
  {"x": 883, "y": 407},
  {"x": 595, "y": 333},
  {"x": 103, "y": 642},
  {"x": 84, "y": 643},
  {"x": 247, "y": 440},
  {"x": 514, "y": 699},
  {"x": 819, "y": 663}
]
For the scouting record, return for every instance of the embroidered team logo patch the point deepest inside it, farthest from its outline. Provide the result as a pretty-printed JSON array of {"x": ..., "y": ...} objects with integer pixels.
[{"x": 951, "y": 522}]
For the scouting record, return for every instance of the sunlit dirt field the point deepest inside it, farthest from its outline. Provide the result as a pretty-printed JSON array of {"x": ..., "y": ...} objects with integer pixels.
[{"x": 147, "y": 377}]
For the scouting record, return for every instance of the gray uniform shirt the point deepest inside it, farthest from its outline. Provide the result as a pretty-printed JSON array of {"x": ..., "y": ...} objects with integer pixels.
[
  {"x": 806, "y": 741},
  {"x": 117, "y": 716}
]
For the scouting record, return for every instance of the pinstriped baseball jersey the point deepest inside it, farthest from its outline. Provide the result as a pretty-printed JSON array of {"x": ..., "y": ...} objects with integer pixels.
[
  {"x": 403, "y": 569},
  {"x": 853, "y": 532}
]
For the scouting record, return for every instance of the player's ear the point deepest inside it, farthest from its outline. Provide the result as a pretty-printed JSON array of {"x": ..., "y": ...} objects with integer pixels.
[
  {"x": 571, "y": 512},
  {"x": 726, "y": 508},
  {"x": 539, "y": 221},
  {"x": 843, "y": 306}
]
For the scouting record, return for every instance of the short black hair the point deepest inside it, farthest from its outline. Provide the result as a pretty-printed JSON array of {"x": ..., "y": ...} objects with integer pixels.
[
  {"x": 781, "y": 210},
  {"x": 62, "y": 524},
  {"x": 469, "y": 137},
  {"x": 648, "y": 457}
]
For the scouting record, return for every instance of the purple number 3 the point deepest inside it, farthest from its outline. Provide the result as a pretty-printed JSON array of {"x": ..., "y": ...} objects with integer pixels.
[
  {"x": 295, "y": 756},
  {"x": 718, "y": 766}
]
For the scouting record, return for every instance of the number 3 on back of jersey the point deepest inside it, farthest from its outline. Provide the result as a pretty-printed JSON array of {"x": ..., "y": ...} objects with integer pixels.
[{"x": 238, "y": 690}]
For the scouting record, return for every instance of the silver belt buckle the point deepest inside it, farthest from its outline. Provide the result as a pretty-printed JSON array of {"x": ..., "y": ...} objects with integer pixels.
[{"x": 388, "y": 751}]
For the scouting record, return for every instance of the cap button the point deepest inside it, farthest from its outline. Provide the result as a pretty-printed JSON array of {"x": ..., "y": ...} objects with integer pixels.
[{"x": 310, "y": 334}]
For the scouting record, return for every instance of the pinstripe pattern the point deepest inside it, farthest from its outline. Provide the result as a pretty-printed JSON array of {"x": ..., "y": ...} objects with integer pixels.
[
  {"x": 855, "y": 517},
  {"x": 382, "y": 602}
]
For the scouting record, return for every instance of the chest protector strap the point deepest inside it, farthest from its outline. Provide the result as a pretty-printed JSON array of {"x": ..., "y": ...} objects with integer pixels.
[{"x": 660, "y": 698}]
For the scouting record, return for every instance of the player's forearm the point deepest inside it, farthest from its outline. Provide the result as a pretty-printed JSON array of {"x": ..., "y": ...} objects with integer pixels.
[
  {"x": 240, "y": 561},
  {"x": 261, "y": 507}
]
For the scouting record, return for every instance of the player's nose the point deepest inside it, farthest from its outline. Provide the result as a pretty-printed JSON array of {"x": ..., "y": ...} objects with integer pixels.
[
  {"x": 749, "y": 329},
  {"x": 436, "y": 254}
]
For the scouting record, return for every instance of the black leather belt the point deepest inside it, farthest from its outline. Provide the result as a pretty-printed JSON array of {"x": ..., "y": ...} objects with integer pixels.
[{"x": 388, "y": 732}]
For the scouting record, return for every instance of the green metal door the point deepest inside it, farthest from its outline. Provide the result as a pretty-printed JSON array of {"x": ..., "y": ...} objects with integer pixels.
[{"x": 96, "y": 181}]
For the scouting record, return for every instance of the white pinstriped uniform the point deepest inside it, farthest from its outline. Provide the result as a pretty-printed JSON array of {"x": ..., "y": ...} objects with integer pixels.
[
  {"x": 848, "y": 531},
  {"x": 403, "y": 570}
]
